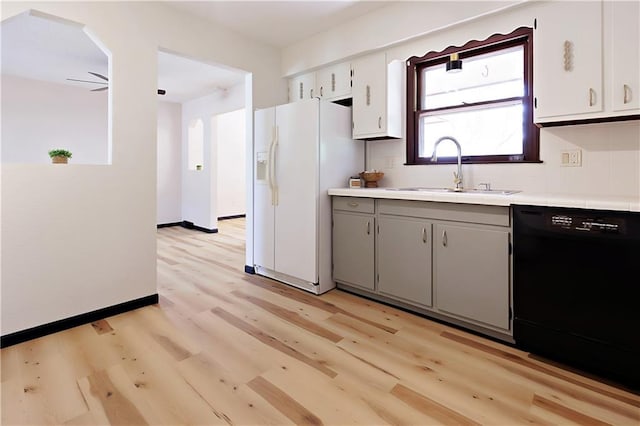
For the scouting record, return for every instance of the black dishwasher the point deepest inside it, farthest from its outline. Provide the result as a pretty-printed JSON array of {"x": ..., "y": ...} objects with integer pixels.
[{"x": 576, "y": 288}]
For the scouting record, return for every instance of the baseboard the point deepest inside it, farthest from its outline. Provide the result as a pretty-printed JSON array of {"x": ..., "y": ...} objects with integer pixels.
[
  {"x": 249, "y": 269},
  {"x": 167, "y": 225},
  {"x": 188, "y": 225},
  {"x": 64, "y": 324},
  {"x": 235, "y": 216}
]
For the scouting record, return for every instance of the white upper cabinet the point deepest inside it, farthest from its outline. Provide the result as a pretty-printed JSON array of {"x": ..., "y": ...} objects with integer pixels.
[
  {"x": 624, "y": 21},
  {"x": 334, "y": 82},
  {"x": 302, "y": 87},
  {"x": 573, "y": 80},
  {"x": 377, "y": 97},
  {"x": 568, "y": 60},
  {"x": 331, "y": 83}
]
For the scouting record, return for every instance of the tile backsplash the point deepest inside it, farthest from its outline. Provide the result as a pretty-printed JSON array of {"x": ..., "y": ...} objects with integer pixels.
[{"x": 610, "y": 164}]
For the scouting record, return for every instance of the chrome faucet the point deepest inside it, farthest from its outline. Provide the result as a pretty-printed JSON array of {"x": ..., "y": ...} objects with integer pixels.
[{"x": 457, "y": 177}]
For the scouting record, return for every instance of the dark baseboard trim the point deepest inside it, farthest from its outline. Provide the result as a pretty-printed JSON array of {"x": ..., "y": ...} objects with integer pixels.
[
  {"x": 64, "y": 324},
  {"x": 235, "y": 216},
  {"x": 189, "y": 225},
  {"x": 166, "y": 225},
  {"x": 249, "y": 269}
]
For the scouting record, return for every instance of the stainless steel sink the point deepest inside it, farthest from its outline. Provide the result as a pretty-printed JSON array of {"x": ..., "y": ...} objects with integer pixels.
[{"x": 462, "y": 191}]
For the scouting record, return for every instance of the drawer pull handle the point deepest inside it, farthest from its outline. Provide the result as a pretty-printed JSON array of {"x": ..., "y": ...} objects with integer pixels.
[
  {"x": 568, "y": 55},
  {"x": 627, "y": 94},
  {"x": 444, "y": 238},
  {"x": 353, "y": 204},
  {"x": 379, "y": 122},
  {"x": 592, "y": 95},
  {"x": 424, "y": 235},
  {"x": 368, "y": 228}
]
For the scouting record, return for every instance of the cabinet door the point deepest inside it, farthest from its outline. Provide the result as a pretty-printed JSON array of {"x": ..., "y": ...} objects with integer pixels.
[
  {"x": 369, "y": 95},
  {"x": 302, "y": 87},
  {"x": 404, "y": 259},
  {"x": 471, "y": 278},
  {"x": 568, "y": 59},
  {"x": 625, "y": 27},
  {"x": 334, "y": 82},
  {"x": 353, "y": 249}
]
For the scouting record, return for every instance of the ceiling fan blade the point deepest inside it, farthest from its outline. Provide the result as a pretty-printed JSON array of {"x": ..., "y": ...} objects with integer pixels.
[
  {"x": 85, "y": 81},
  {"x": 161, "y": 91},
  {"x": 100, "y": 89},
  {"x": 98, "y": 75}
]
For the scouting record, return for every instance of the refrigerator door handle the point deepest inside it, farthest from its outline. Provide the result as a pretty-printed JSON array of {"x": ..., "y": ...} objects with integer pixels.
[{"x": 272, "y": 164}]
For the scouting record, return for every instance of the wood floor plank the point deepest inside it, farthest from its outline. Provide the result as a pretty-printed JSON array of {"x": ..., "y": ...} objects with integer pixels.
[
  {"x": 271, "y": 341},
  {"x": 283, "y": 402},
  {"x": 110, "y": 403},
  {"x": 566, "y": 412},
  {"x": 225, "y": 347},
  {"x": 230, "y": 398},
  {"x": 291, "y": 316},
  {"x": 431, "y": 408},
  {"x": 316, "y": 348}
]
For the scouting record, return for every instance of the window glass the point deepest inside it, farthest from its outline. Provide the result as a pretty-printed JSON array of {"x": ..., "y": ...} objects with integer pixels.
[
  {"x": 486, "y": 130},
  {"x": 491, "y": 76}
]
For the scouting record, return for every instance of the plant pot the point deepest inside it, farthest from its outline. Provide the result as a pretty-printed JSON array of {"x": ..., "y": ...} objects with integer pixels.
[{"x": 59, "y": 159}]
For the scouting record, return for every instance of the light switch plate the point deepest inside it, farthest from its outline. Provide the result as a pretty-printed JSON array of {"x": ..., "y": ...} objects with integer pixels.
[{"x": 571, "y": 158}]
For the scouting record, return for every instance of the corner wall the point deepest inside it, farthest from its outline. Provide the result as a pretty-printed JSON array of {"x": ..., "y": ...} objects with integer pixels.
[
  {"x": 169, "y": 185},
  {"x": 200, "y": 187},
  {"x": 82, "y": 237}
]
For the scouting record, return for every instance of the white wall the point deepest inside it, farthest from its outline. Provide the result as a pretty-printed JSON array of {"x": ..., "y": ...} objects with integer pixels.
[
  {"x": 169, "y": 163},
  {"x": 382, "y": 28},
  {"x": 200, "y": 187},
  {"x": 611, "y": 152},
  {"x": 38, "y": 116},
  {"x": 230, "y": 136},
  {"x": 82, "y": 237}
]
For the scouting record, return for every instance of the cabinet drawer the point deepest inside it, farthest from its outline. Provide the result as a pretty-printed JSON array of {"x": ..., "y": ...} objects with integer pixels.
[
  {"x": 473, "y": 213},
  {"x": 354, "y": 204}
]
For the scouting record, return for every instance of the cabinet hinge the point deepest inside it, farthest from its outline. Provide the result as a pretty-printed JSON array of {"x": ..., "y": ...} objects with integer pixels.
[{"x": 535, "y": 23}]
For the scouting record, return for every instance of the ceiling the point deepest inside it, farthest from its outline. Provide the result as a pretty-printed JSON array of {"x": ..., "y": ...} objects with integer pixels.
[
  {"x": 51, "y": 50},
  {"x": 278, "y": 23}
]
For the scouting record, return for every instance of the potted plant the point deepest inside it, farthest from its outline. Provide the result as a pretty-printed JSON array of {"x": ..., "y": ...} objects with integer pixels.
[{"x": 59, "y": 156}]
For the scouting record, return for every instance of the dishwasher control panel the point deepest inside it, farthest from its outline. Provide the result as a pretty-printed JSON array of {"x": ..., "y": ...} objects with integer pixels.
[{"x": 580, "y": 223}]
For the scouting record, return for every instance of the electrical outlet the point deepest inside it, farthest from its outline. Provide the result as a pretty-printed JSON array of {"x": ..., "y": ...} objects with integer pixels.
[{"x": 571, "y": 158}]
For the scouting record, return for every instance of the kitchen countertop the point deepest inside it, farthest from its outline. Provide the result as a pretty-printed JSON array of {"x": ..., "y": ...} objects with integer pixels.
[{"x": 536, "y": 199}]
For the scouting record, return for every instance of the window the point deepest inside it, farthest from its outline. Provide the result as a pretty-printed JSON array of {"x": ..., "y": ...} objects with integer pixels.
[{"x": 487, "y": 106}]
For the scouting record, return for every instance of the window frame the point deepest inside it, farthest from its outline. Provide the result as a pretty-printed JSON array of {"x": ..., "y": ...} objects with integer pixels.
[{"x": 522, "y": 36}]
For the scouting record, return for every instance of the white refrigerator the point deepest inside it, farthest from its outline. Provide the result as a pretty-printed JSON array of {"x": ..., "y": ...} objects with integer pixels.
[{"x": 301, "y": 150}]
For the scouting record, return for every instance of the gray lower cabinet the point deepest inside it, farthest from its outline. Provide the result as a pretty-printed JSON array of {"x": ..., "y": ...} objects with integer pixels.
[
  {"x": 447, "y": 260},
  {"x": 404, "y": 259},
  {"x": 353, "y": 249},
  {"x": 471, "y": 273}
]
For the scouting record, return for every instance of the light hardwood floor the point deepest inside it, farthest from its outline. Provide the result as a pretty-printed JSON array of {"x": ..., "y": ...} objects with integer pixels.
[{"x": 225, "y": 347}]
